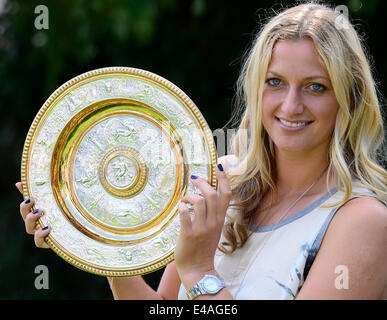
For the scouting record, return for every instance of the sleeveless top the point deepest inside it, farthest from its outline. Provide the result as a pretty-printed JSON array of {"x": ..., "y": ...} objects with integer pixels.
[{"x": 275, "y": 260}]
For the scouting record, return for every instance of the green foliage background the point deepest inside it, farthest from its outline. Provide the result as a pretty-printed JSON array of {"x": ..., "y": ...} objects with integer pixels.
[{"x": 196, "y": 44}]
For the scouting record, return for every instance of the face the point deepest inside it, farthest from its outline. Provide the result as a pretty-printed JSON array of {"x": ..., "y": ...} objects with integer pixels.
[{"x": 299, "y": 106}]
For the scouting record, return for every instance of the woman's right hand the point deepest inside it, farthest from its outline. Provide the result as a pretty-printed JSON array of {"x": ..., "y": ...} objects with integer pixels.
[{"x": 30, "y": 219}]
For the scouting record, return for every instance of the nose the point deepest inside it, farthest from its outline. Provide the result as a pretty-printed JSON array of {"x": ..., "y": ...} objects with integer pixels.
[{"x": 292, "y": 103}]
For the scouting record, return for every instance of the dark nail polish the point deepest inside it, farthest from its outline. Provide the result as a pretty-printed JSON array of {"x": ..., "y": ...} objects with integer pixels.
[
  {"x": 36, "y": 211},
  {"x": 194, "y": 177},
  {"x": 27, "y": 201},
  {"x": 45, "y": 228},
  {"x": 220, "y": 167}
]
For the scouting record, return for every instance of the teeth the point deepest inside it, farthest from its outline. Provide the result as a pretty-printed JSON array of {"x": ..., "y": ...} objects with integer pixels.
[{"x": 293, "y": 124}]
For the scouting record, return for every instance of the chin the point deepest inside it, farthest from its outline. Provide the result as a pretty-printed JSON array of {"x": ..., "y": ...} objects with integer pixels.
[{"x": 292, "y": 147}]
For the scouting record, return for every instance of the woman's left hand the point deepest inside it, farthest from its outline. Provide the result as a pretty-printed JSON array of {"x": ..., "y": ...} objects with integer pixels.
[{"x": 199, "y": 237}]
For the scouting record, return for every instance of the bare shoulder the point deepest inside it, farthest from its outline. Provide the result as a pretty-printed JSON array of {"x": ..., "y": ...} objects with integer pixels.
[
  {"x": 363, "y": 222},
  {"x": 359, "y": 224},
  {"x": 367, "y": 212},
  {"x": 355, "y": 240},
  {"x": 227, "y": 160}
]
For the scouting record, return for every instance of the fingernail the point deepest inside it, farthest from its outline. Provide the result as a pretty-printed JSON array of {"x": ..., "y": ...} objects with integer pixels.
[
  {"x": 36, "y": 211},
  {"x": 45, "y": 228},
  {"x": 194, "y": 177},
  {"x": 220, "y": 167},
  {"x": 27, "y": 201}
]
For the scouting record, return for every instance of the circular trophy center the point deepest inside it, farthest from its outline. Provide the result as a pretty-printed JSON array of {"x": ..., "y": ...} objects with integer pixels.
[{"x": 121, "y": 171}]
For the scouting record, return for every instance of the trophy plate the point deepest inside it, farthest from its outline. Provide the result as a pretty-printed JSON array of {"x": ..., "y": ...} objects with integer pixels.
[{"x": 108, "y": 157}]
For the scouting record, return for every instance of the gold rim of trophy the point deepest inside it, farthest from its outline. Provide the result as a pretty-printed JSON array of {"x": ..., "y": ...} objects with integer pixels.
[{"x": 142, "y": 171}]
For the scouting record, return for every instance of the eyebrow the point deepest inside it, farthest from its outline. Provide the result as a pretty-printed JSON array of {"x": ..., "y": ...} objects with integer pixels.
[{"x": 307, "y": 78}]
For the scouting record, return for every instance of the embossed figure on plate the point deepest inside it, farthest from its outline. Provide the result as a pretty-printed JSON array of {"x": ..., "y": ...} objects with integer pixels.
[{"x": 121, "y": 172}]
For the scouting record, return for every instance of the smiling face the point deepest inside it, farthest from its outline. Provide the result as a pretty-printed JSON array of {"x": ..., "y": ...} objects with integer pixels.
[{"x": 299, "y": 106}]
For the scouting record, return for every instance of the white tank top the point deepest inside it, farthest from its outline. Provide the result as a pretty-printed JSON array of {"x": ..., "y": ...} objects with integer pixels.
[{"x": 274, "y": 262}]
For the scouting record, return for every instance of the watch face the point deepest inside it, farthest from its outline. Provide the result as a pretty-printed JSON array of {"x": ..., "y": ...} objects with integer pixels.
[{"x": 211, "y": 284}]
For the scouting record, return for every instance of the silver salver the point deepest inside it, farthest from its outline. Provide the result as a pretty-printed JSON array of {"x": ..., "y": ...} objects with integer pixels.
[{"x": 108, "y": 157}]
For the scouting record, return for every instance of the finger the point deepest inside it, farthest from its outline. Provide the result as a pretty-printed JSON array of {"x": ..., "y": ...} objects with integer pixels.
[
  {"x": 210, "y": 195},
  {"x": 19, "y": 186},
  {"x": 225, "y": 192},
  {"x": 31, "y": 220},
  {"x": 26, "y": 206},
  {"x": 40, "y": 235},
  {"x": 199, "y": 207},
  {"x": 185, "y": 219}
]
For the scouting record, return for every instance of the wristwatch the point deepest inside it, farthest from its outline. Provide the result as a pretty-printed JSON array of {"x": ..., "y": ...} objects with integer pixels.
[{"x": 209, "y": 284}]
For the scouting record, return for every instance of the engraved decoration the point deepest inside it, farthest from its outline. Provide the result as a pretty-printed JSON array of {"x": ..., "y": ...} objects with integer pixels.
[{"x": 108, "y": 157}]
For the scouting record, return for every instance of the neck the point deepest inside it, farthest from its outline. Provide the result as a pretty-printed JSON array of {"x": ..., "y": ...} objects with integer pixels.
[{"x": 296, "y": 172}]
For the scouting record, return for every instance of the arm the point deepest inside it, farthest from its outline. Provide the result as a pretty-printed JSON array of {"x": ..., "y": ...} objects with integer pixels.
[
  {"x": 351, "y": 263},
  {"x": 129, "y": 288},
  {"x": 132, "y": 288}
]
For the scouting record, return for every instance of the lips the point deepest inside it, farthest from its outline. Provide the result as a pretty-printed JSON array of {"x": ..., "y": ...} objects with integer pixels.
[{"x": 293, "y": 123}]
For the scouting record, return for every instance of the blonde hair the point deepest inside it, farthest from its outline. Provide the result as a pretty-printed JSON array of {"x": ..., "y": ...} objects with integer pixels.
[{"x": 358, "y": 131}]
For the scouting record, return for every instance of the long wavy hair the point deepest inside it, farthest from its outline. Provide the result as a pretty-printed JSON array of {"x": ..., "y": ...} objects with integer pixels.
[{"x": 358, "y": 131}]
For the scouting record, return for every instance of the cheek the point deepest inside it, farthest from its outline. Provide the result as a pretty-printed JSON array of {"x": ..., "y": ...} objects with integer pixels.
[
  {"x": 326, "y": 112},
  {"x": 269, "y": 103}
]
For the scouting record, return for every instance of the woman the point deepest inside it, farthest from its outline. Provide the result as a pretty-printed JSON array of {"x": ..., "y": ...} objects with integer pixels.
[{"x": 304, "y": 195}]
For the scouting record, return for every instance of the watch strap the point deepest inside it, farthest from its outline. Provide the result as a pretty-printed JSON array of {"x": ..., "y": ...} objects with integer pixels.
[{"x": 194, "y": 292}]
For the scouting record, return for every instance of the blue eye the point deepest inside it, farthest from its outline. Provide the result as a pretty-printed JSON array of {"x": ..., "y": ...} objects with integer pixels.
[
  {"x": 316, "y": 87},
  {"x": 274, "y": 82}
]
